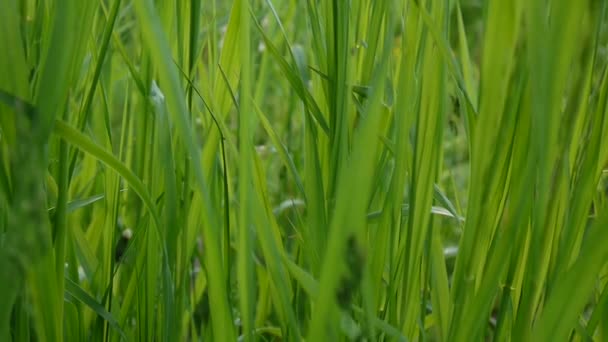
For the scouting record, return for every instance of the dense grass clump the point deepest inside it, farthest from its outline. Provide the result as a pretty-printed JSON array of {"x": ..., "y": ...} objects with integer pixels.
[{"x": 370, "y": 170}]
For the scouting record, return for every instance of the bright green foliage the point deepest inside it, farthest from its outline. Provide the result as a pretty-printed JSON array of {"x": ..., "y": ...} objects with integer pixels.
[{"x": 400, "y": 170}]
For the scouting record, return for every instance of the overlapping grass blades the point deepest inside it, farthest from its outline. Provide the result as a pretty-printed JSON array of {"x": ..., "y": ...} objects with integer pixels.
[{"x": 321, "y": 170}]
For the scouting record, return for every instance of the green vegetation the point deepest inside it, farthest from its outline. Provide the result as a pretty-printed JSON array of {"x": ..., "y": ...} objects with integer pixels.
[{"x": 367, "y": 170}]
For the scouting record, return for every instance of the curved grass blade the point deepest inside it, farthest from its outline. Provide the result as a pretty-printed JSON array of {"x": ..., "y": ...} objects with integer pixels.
[
  {"x": 74, "y": 291},
  {"x": 79, "y": 140},
  {"x": 435, "y": 210},
  {"x": 81, "y": 203}
]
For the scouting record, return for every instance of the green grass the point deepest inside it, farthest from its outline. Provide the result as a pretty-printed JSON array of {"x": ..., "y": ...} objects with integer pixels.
[{"x": 429, "y": 170}]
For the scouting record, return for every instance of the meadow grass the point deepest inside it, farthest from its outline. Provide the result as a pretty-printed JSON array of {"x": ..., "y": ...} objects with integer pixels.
[{"x": 390, "y": 170}]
